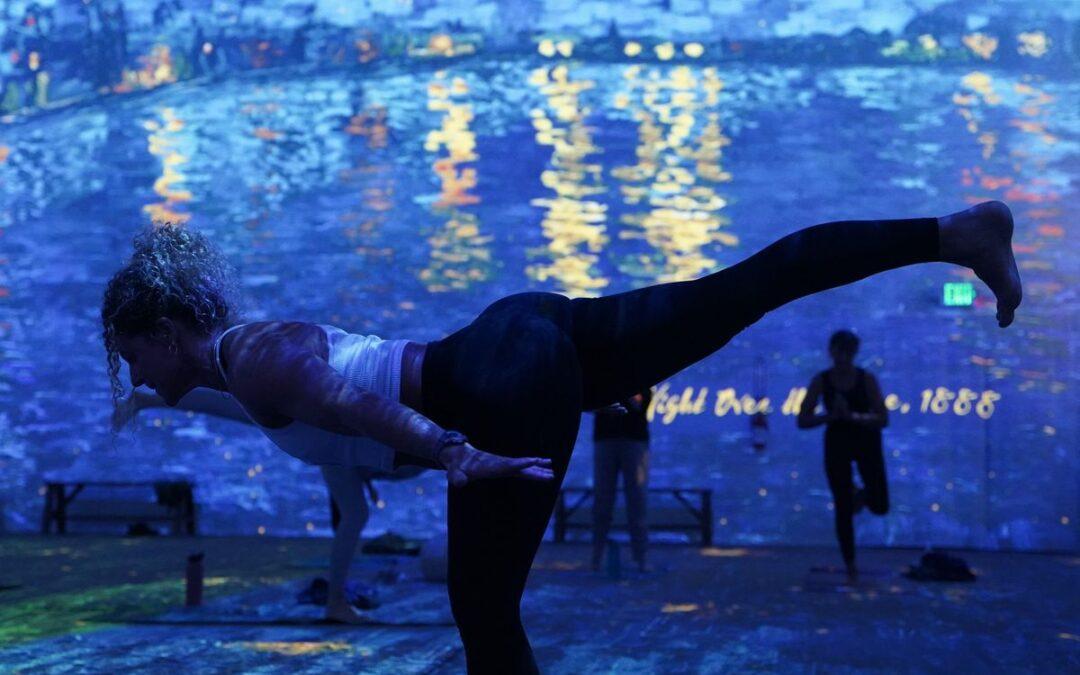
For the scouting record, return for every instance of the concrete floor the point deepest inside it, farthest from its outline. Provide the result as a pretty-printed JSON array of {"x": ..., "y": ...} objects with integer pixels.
[{"x": 94, "y": 604}]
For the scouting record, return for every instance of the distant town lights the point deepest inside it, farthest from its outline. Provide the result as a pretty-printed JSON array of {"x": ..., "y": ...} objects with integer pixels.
[
  {"x": 1034, "y": 44},
  {"x": 693, "y": 50},
  {"x": 665, "y": 51},
  {"x": 441, "y": 44}
]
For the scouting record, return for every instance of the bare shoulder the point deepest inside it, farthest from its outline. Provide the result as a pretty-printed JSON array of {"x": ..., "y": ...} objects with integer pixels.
[{"x": 258, "y": 357}]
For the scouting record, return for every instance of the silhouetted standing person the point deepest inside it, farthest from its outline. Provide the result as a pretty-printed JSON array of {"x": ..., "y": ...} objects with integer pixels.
[
  {"x": 854, "y": 416},
  {"x": 621, "y": 446}
]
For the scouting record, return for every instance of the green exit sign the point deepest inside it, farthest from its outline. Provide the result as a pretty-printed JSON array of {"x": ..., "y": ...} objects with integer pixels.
[{"x": 958, "y": 294}]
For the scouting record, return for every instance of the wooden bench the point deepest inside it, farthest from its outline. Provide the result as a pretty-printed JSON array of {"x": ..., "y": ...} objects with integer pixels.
[
  {"x": 175, "y": 504},
  {"x": 691, "y": 511}
]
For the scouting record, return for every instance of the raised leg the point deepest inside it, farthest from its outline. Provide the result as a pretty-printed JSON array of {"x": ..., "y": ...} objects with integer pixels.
[
  {"x": 629, "y": 341},
  {"x": 871, "y": 465}
]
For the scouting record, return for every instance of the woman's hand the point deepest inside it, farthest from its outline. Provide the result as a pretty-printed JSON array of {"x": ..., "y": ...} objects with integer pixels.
[
  {"x": 464, "y": 464},
  {"x": 840, "y": 412},
  {"x": 126, "y": 409},
  {"x": 871, "y": 420}
]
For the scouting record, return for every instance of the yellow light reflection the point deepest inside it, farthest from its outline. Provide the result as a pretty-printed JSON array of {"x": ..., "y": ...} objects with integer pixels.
[
  {"x": 979, "y": 88},
  {"x": 162, "y": 142},
  {"x": 679, "y": 152},
  {"x": 983, "y": 85},
  {"x": 374, "y": 179},
  {"x": 298, "y": 648},
  {"x": 460, "y": 255},
  {"x": 370, "y": 124},
  {"x": 573, "y": 222}
]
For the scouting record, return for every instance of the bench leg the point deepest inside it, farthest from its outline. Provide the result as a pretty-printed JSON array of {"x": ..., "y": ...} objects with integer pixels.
[
  {"x": 707, "y": 520},
  {"x": 560, "y": 520},
  {"x": 189, "y": 515},
  {"x": 47, "y": 513}
]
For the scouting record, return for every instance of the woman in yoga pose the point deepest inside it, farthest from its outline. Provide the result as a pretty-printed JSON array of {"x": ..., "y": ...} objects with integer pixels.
[
  {"x": 855, "y": 414},
  {"x": 515, "y": 380}
]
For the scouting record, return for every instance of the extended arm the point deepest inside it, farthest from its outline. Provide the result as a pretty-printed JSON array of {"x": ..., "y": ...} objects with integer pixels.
[
  {"x": 285, "y": 380},
  {"x": 200, "y": 400},
  {"x": 808, "y": 419}
]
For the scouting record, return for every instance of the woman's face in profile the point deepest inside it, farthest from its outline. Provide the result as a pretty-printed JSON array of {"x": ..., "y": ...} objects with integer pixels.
[{"x": 153, "y": 363}]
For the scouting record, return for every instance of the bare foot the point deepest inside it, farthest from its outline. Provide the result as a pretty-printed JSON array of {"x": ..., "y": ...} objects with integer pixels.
[
  {"x": 981, "y": 238},
  {"x": 341, "y": 612},
  {"x": 464, "y": 464}
]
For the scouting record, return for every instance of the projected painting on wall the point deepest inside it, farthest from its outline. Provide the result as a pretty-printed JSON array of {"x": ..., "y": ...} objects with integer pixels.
[{"x": 392, "y": 167}]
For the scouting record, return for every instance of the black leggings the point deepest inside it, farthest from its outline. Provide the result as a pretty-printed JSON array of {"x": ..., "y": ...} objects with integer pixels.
[
  {"x": 839, "y": 455},
  {"x": 517, "y": 379}
]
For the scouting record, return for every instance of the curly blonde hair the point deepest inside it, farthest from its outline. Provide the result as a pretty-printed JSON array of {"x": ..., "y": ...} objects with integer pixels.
[{"x": 174, "y": 272}]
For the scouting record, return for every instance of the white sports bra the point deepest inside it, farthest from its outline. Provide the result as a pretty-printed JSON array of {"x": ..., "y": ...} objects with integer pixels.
[{"x": 366, "y": 361}]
